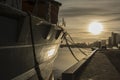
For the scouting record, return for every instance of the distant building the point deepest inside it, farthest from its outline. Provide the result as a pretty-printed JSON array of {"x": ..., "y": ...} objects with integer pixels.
[
  {"x": 114, "y": 35},
  {"x": 96, "y": 44},
  {"x": 114, "y": 39},
  {"x": 110, "y": 41},
  {"x": 118, "y": 38},
  {"x": 99, "y": 44},
  {"x": 103, "y": 42}
]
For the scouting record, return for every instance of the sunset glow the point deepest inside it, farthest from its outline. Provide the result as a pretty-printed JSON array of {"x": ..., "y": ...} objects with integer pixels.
[{"x": 95, "y": 28}]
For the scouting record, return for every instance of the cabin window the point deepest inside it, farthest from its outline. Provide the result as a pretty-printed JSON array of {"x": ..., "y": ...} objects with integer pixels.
[
  {"x": 58, "y": 32},
  {"x": 45, "y": 30}
]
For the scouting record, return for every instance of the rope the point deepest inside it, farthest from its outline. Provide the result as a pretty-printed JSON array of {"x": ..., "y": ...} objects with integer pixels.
[
  {"x": 72, "y": 41},
  {"x": 33, "y": 47},
  {"x": 70, "y": 48}
]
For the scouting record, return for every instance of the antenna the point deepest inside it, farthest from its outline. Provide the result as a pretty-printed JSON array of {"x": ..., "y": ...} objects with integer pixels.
[{"x": 63, "y": 22}]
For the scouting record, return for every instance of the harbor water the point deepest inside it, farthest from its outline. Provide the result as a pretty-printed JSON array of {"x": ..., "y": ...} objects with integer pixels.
[{"x": 65, "y": 59}]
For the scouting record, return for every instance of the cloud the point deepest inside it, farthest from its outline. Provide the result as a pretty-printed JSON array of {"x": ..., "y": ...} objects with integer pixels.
[
  {"x": 76, "y": 11},
  {"x": 73, "y": 8},
  {"x": 111, "y": 14},
  {"x": 79, "y": 13},
  {"x": 111, "y": 20}
]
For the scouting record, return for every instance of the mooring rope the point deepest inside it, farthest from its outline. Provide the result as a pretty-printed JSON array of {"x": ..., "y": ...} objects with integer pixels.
[
  {"x": 70, "y": 49},
  {"x": 74, "y": 43},
  {"x": 33, "y": 47}
]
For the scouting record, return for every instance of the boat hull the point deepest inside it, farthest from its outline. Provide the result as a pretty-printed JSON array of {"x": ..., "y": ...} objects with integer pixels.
[{"x": 17, "y": 54}]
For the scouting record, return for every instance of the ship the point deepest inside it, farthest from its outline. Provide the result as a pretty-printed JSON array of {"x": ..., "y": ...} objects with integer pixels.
[{"x": 29, "y": 39}]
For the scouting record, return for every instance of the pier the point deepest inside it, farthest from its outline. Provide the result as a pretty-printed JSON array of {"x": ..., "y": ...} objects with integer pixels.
[{"x": 100, "y": 65}]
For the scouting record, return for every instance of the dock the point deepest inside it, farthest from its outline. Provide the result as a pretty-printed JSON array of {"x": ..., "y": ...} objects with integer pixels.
[{"x": 102, "y": 65}]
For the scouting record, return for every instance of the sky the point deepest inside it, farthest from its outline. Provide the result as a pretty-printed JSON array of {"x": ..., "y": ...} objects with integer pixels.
[{"x": 78, "y": 14}]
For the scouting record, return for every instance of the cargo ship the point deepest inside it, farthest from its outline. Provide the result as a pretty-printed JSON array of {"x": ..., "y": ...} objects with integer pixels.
[{"x": 29, "y": 39}]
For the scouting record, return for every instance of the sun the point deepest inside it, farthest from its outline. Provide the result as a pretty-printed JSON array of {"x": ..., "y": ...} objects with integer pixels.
[{"x": 95, "y": 28}]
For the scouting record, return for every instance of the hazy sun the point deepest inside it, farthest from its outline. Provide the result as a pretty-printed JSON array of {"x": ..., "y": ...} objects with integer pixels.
[{"x": 95, "y": 28}]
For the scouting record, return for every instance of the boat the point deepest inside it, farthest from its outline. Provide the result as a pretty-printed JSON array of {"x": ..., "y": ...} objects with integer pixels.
[{"x": 29, "y": 39}]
